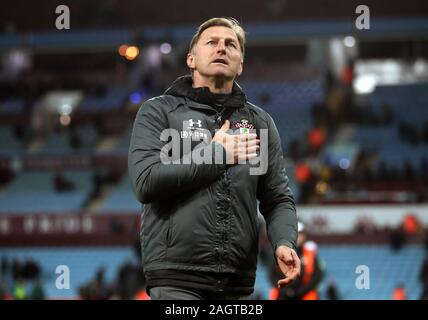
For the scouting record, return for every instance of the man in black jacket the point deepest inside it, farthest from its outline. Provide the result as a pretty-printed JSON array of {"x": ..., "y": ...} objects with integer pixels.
[{"x": 199, "y": 225}]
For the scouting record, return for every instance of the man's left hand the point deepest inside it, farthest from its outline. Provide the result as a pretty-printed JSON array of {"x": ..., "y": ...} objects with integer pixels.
[{"x": 288, "y": 263}]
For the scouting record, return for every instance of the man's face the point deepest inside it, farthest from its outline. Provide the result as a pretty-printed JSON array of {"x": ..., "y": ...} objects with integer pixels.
[{"x": 217, "y": 54}]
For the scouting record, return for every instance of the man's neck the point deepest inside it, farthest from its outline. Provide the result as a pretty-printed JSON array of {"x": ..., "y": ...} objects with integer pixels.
[{"x": 214, "y": 84}]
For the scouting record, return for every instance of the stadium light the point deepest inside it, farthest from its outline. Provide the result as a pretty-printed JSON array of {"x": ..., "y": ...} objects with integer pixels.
[
  {"x": 365, "y": 84},
  {"x": 344, "y": 163},
  {"x": 65, "y": 109},
  {"x": 349, "y": 41},
  {"x": 131, "y": 52},
  {"x": 122, "y": 49},
  {"x": 135, "y": 97},
  {"x": 165, "y": 48},
  {"x": 65, "y": 120}
]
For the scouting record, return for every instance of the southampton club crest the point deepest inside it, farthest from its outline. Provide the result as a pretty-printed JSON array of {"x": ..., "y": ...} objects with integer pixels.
[{"x": 244, "y": 126}]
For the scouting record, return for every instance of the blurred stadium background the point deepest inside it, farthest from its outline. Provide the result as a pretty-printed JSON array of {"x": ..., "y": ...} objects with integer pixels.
[{"x": 351, "y": 107}]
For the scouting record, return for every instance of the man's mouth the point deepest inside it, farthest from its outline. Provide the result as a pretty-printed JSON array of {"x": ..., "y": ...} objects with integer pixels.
[{"x": 222, "y": 61}]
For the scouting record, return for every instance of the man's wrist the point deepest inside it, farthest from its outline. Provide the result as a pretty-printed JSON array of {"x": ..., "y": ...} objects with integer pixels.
[{"x": 285, "y": 244}]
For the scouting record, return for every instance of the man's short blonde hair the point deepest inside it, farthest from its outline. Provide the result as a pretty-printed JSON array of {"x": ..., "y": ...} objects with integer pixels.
[{"x": 222, "y": 22}]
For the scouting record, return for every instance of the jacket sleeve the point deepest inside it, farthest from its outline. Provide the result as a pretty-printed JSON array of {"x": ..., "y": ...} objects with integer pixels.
[
  {"x": 153, "y": 180},
  {"x": 275, "y": 196}
]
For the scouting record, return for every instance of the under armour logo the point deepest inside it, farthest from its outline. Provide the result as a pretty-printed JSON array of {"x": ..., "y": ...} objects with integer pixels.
[{"x": 192, "y": 123}]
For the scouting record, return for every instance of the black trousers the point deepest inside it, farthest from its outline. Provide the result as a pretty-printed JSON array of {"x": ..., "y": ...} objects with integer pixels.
[{"x": 176, "y": 293}]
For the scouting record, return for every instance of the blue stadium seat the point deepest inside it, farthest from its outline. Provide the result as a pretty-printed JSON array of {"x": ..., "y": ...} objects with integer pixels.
[
  {"x": 122, "y": 199},
  {"x": 34, "y": 191}
]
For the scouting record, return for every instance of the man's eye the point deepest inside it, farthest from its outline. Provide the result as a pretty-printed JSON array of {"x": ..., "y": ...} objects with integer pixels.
[
  {"x": 233, "y": 45},
  {"x": 211, "y": 42}
]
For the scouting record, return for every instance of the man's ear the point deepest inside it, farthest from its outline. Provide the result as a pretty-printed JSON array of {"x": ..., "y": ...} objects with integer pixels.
[
  {"x": 241, "y": 67},
  {"x": 190, "y": 61}
]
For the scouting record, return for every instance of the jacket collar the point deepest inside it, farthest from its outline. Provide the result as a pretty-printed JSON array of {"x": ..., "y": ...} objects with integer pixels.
[{"x": 182, "y": 87}]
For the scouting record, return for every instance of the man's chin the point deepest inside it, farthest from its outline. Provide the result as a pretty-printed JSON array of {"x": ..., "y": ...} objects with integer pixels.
[{"x": 223, "y": 75}]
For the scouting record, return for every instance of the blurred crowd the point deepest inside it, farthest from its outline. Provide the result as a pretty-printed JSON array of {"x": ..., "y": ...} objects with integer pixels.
[
  {"x": 21, "y": 279},
  {"x": 317, "y": 176},
  {"x": 129, "y": 284},
  {"x": 24, "y": 279}
]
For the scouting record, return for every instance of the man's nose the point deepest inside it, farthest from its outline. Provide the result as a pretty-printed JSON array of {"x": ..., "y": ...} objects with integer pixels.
[{"x": 221, "y": 46}]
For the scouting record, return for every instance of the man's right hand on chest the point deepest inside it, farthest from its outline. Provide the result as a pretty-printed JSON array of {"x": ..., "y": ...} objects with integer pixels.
[{"x": 239, "y": 147}]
